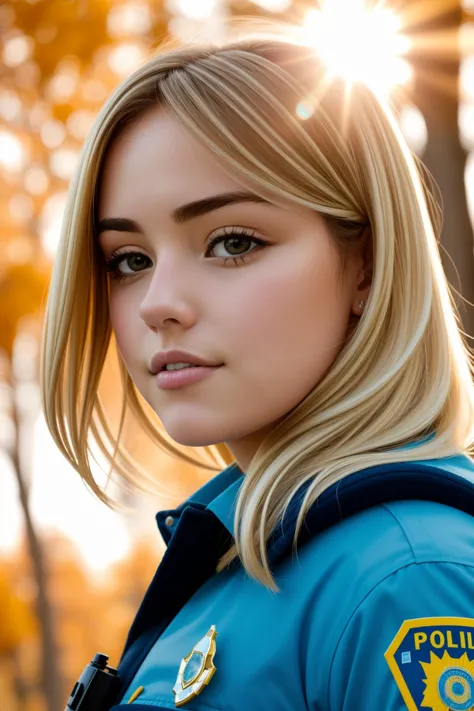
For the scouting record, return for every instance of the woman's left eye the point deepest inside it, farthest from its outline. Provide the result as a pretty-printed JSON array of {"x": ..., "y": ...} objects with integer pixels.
[{"x": 236, "y": 244}]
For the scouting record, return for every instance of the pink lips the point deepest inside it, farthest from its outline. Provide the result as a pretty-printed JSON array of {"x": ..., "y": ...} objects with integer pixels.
[
  {"x": 173, "y": 379},
  {"x": 163, "y": 358}
]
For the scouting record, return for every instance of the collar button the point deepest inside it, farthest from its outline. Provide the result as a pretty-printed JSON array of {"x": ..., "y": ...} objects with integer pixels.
[{"x": 169, "y": 520}]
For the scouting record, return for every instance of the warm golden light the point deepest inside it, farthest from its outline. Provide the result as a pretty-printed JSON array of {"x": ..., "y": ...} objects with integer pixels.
[
  {"x": 12, "y": 153},
  {"x": 128, "y": 19},
  {"x": 197, "y": 10},
  {"x": 125, "y": 58},
  {"x": 358, "y": 43},
  {"x": 273, "y": 5}
]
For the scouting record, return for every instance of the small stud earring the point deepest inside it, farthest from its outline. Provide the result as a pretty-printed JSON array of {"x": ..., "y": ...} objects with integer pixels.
[{"x": 361, "y": 304}]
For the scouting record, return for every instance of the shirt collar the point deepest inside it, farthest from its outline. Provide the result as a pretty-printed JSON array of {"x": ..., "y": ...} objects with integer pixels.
[
  {"x": 216, "y": 488},
  {"x": 218, "y": 495}
]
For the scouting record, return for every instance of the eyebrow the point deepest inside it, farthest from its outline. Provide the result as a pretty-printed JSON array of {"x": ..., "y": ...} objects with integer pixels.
[{"x": 184, "y": 213}]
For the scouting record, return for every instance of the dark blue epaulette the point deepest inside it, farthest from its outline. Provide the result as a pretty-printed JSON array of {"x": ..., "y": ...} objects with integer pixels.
[{"x": 448, "y": 481}]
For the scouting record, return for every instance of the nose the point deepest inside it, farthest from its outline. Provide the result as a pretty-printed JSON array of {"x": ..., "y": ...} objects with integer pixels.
[{"x": 168, "y": 299}]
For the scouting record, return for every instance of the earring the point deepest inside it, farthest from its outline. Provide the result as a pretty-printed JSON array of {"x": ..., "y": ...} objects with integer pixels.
[{"x": 361, "y": 304}]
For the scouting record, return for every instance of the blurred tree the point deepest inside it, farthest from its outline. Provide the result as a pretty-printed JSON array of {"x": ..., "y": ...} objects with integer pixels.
[
  {"x": 16, "y": 624},
  {"x": 49, "y": 670},
  {"x": 81, "y": 608},
  {"x": 90, "y": 611},
  {"x": 435, "y": 56},
  {"x": 123, "y": 592},
  {"x": 17, "y": 627},
  {"x": 16, "y": 621},
  {"x": 22, "y": 291}
]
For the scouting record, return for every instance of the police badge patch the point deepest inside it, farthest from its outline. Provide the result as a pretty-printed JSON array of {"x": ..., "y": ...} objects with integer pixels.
[
  {"x": 432, "y": 661},
  {"x": 196, "y": 670}
]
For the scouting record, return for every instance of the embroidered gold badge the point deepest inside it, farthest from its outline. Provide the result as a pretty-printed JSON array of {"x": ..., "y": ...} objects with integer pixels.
[{"x": 196, "y": 670}]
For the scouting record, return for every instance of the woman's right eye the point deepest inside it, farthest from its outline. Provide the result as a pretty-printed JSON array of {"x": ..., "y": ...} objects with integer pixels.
[{"x": 124, "y": 264}]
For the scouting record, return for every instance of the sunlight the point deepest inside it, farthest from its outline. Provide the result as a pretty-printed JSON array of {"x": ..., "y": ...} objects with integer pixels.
[
  {"x": 359, "y": 44},
  {"x": 12, "y": 152},
  {"x": 60, "y": 502}
]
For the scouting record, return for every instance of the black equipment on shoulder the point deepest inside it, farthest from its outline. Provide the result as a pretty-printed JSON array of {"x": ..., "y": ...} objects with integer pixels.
[{"x": 95, "y": 688}]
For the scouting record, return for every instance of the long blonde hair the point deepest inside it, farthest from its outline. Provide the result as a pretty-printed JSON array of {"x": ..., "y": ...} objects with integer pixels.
[{"x": 263, "y": 105}]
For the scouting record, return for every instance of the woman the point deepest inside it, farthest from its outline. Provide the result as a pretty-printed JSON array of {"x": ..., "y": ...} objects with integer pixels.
[{"x": 260, "y": 242}]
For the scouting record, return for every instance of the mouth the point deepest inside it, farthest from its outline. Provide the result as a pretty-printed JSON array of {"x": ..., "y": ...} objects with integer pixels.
[
  {"x": 170, "y": 369},
  {"x": 181, "y": 377}
]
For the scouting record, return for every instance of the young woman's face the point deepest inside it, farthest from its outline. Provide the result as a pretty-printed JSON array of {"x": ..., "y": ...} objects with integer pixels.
[{"x": 266, "y": 300}]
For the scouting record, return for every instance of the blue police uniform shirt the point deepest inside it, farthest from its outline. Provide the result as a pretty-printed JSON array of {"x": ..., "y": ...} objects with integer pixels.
[{"x": 374, "y": 613}]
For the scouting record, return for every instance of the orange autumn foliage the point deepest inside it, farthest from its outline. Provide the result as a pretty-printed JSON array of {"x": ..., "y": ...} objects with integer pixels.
[
  {"x": 16, "y": 620},
  {"x": 92, "y": 613}
]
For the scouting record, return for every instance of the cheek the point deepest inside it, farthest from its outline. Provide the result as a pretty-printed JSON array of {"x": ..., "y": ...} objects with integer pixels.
[
  {"x": 296, "y": 318},
  {"x": 127, "y": 326},
  {"x": 285, "y": 329}
]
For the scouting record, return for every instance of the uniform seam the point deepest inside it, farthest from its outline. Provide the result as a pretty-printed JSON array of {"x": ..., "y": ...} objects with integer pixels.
[
  {"x": 402, "y": 528},
  {"x": 372, "y": 589}
]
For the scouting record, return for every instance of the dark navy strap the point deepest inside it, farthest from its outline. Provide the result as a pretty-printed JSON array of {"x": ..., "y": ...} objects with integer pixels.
[{"x": 371, "y": 487}]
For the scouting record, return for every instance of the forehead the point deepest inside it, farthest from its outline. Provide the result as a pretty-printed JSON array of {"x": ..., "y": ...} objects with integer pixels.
[{"x": 158, "y": 161}]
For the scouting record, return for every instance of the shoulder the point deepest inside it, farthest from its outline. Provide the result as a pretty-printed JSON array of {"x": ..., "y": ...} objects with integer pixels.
[
  {"x": 378, "y": 541},
  {"x": 413, "y": 531},
  {"x": 383, "y": 536},
  {"x": 411, "y": 628},
  {"x": 398, "y": 562}
]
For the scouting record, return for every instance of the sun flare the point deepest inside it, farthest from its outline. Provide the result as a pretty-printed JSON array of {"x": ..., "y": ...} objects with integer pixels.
[{"x": 359, "y": 43}]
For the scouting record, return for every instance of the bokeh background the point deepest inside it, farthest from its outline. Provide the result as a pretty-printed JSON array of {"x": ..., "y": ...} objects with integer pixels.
[{"x": 72, "y": 573}]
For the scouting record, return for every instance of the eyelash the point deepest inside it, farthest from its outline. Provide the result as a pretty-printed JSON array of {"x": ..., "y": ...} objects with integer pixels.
[{"x": 117, "y": 257}]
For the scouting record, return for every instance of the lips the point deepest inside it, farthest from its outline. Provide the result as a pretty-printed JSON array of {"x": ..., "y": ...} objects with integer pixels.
[
  {"x": 163, "y": 358},
  {"x": 181, "y": 378}
]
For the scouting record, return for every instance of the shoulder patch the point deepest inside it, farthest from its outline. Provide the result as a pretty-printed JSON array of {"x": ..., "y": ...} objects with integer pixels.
[{"x": 432, "y": 661}]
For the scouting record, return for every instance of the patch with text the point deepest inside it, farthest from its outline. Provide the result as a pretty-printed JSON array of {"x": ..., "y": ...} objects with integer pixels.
[{"x": 432, "y": 661}]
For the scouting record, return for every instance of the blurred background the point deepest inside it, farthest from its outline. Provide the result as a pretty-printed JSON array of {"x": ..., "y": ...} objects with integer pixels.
[{"x": 72, "y": 573}]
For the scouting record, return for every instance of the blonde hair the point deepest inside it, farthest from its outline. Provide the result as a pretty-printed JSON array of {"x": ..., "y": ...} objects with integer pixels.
[{"x": 263, "y": 105}]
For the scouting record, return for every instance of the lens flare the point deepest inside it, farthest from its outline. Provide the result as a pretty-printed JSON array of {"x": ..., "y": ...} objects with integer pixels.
[{"x": 358, "y": 43}]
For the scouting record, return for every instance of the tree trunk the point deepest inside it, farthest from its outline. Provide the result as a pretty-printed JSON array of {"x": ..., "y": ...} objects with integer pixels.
[
  {"x": 19, "y": 685},
  {"x": 436, "y": 92},
  {"x": 50, "y": 675}
]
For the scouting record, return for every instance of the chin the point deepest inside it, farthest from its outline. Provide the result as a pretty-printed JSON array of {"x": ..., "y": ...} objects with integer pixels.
[
  {"x": 194, "y": 441},
  {"x": 200, "y": 428},
  {"x": 192, "y": 438}
]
